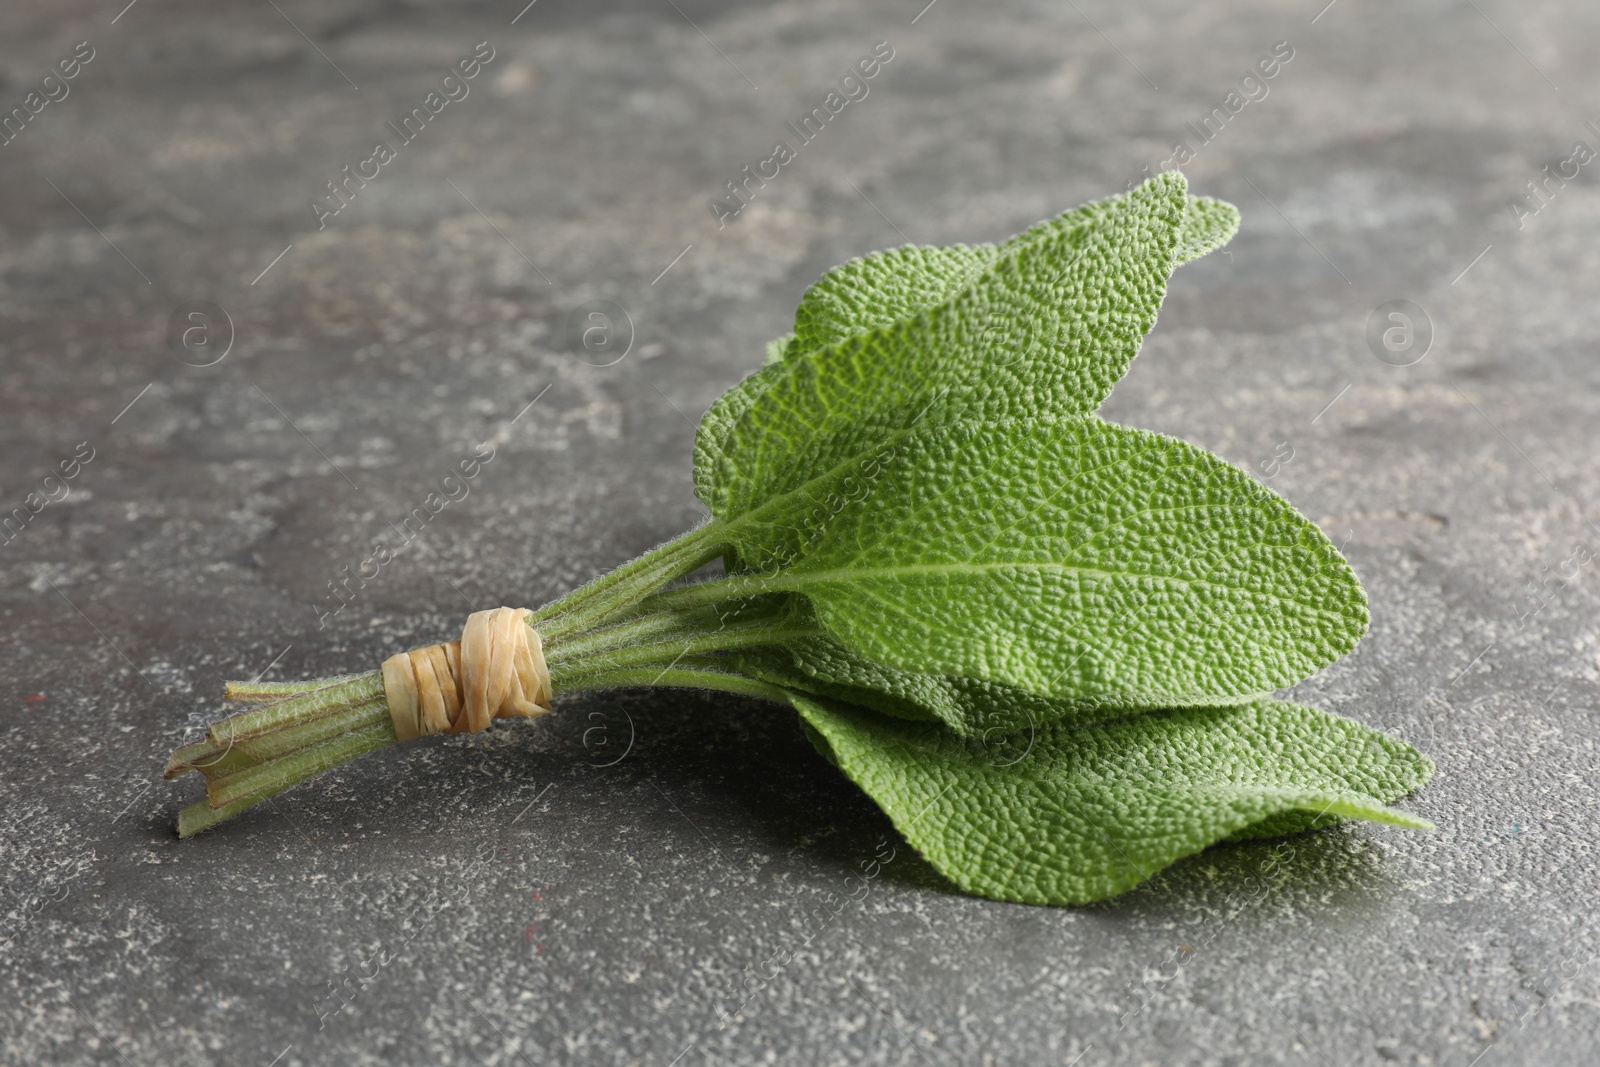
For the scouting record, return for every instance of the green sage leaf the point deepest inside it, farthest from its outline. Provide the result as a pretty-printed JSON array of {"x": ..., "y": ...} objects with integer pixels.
[
  {"x": 1070, "y": 558},
  {"x": 1207, "y": 226},
  {"x": 884, "y": 288},
  {"x": 1047, "y": 329},
  {"x": 1084, "y": 814},
  {"x": 971, "y": 707}
]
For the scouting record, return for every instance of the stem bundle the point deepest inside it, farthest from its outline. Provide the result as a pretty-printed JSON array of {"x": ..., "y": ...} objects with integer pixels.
[{"x": 617, "y": 631}]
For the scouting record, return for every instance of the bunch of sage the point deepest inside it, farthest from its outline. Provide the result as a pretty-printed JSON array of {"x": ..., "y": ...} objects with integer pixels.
[{"x": 1043, "y": 643}]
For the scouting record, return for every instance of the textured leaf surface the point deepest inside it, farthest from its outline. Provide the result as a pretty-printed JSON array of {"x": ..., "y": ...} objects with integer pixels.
[
  {"x": 716, "y": 425},
  {"x": 884, "y": 289},
  {"x": 1047, "y": 330},
  {"x": 971, "y": 707},
  {"x": 1207, "y": 226},
  {"x": 778, "y": 350},
  {"x": 1087, "y": 813},
  {"x": 1071, "y": 558}
]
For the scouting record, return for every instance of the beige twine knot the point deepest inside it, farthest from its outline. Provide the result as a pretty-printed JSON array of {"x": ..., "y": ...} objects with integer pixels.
[{"x": 496, "y": 671}]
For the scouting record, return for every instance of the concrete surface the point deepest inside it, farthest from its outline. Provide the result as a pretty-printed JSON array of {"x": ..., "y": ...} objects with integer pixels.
[{"x": 508, "y": 898}]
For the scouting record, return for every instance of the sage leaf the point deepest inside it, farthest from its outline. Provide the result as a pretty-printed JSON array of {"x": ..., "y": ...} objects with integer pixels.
[
  {"x": 884, "y": 288},
  {"x": 1071, "y": 558},
  {"x": 971, "y": 707},
  {"x": 1207, "y": 226},
  {"x": 1086, "y": 813},
  {"x": 1048, "y": 329}
]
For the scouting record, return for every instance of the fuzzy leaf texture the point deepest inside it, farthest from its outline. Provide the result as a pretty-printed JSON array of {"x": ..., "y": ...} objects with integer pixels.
[
  {"x": 882, "y": 289},
  {"x": 1074, "y": 816},
  {"x": 1047, "y": 327},
  {"x": 971, "y": 707},
  {"x": 1071, "y": 558}
]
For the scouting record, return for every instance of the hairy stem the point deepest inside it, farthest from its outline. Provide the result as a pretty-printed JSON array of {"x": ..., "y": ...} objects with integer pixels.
[
  {"x": 345, "y": 692},
  {"x": 203, "y": 814},
  {"x": 631, "y": 630},
  {"x": 612, "y": 593},
  {"x": 258, "y": 692},
  {"x": 708, "y": 594},
  {"x": 619, "y": 630},
  {"x": 680, "y": 677},
  {"x": 670, "y": 649},
  {"x": 707, "y": 629},
  {"x": 280, "y": 773},
  {"x": 291, "y": 740}
]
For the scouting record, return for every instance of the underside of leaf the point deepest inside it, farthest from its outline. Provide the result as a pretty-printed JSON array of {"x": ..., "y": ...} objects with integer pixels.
[
  {"x": 1082, "y": 814},
  {"x": 972, "y": 707}
]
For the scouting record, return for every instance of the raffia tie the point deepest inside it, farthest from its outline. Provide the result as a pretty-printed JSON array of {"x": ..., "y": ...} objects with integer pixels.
[{"x": 496, "y": 671}]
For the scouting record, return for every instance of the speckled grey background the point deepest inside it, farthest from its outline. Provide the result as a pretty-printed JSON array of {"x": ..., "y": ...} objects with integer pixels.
[{"x": 511, "y": 899}]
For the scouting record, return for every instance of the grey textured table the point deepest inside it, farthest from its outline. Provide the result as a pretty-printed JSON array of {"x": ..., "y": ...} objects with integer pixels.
[{"x": 525, "y": 897}]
